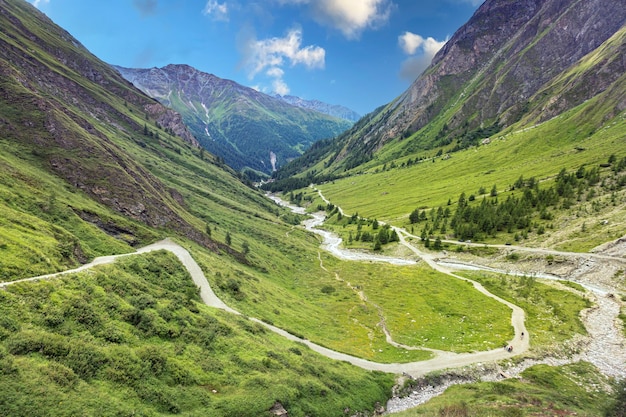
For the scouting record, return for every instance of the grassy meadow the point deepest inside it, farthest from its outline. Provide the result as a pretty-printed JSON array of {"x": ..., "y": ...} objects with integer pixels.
[
  {"x": 390, "y": 191},
  {"x": 134, "y": 337},
  {"x": 552, "y": 313}
]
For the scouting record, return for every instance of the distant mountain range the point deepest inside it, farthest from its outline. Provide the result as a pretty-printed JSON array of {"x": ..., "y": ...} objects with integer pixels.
[
  {"x": 334, "y": 110},
  {"x": 248, "y": 129}
]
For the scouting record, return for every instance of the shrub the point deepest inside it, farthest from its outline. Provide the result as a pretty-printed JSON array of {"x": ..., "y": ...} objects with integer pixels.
[
  {"x": 31, "y": 341},
  {"x": 85, "y": 359},
  {"x": 328, "y": 289}
]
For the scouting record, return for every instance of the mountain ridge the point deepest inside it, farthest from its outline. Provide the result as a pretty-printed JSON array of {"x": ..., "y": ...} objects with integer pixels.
[
  {"x": 247, "y": 128},
  {"x": 494, "y": 72},
  {"x": 335, "y": 110}
]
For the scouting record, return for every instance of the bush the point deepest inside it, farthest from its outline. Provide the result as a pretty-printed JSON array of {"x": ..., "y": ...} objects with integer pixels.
[
  {"x": 85, "y": 359},
  {"x": 328, "y": 289},
  {"x": 31, "y": 341}
]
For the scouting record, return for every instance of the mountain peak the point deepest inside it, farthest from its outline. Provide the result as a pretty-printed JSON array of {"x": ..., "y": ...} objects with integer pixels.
[
  {"x": 493, "y": 65},
  {"x": 248, "y": 129}
]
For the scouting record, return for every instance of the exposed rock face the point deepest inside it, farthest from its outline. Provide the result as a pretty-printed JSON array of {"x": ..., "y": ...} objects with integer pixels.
[
  {"x": 278, "y": 410},
  {"x": 241, "y": 125},
  {"x": 495, "y": 65}
]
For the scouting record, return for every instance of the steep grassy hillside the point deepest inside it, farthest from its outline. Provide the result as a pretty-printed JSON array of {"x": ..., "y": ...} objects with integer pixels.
[
  {"x": 391, "y": 191},
  {"x": 90, "y": 166},
  {"x": 482, "y": 85},
  {"x": 134, "y": 339},
  {"x": 406, "y": 175}
]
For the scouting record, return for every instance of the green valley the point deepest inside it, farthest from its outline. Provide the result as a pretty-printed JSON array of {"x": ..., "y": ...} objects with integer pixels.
[{"x": 464, "y": 249}]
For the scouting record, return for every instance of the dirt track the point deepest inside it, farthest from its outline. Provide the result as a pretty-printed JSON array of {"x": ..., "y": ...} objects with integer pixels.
[{"x": 599, "y": 322}]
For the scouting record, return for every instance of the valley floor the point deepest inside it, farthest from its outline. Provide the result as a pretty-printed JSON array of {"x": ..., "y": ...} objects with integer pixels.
[{"x": 605, "y": 347}]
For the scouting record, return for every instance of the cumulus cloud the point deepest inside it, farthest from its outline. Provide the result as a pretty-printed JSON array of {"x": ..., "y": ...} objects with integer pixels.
[
  {"x": 275, "y": 72},
  {"x": 218, "y": 11},
  {"x": 277, "y": 52},
  {"x": 146, "y": 7},
  {"x": 270, "y": 56},
  {"x": 351, "y": 17},
  {"x": 411, "y": 43},
  {"x": 37, "y": 3},
  {"x": 280, "y": 87}
]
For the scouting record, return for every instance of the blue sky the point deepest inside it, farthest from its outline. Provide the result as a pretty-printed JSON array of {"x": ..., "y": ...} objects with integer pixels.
[{"x": 358, "y": 53}]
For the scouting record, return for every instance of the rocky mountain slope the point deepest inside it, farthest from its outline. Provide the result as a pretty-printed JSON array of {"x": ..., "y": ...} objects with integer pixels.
[
  {"x": 75, "y": 115},
  {"x": 514, "y": 61},
  {"x": 248, "y": 129},
  {"x": 334, "y": 110}
]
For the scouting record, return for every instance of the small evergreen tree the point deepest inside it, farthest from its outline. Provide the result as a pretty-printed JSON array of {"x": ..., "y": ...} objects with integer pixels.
[{"x": 228, "y": 238}]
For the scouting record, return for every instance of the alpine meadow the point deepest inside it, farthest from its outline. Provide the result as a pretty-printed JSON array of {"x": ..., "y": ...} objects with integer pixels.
[{"x": 173, "y": 243}]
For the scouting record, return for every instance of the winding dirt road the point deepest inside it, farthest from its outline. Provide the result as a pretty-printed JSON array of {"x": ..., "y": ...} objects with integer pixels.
[{"x": 442, "y": 360}]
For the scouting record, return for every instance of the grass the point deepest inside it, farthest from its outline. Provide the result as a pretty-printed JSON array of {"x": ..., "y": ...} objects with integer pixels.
[
  {"x": 318, "y": 304},
  {"x": 540, "y": 152},
  {"x": 576, "y": 389},
  {"x": 134, "y": 336},
  {"x": 552, "y": 314},
  {"x": 422, "y": 307}
]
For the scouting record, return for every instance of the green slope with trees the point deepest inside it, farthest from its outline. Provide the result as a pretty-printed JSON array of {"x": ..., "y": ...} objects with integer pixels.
[{"x": 90, "y": 166}]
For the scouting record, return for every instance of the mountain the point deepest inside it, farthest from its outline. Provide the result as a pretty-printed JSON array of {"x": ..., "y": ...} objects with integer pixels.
[
  {"x": 334, "y": 110},
  {"x": 514, "y": 63},
  {"x": 248, "y": 129},
  {"x": 90, "y": 166}
]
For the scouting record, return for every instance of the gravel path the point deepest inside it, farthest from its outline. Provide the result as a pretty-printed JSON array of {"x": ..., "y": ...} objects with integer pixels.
[{"x": 606, "y": 346}]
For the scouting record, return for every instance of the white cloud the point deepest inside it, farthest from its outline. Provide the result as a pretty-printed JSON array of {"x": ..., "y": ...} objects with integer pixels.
[
  {"x": 349, "y": 16},
  {"x": 277, "y": 52},
  {"x": 37, "y": 3},
  {"x": 275, "y": 72},
  {"x": 280, "y": 87},
  {"x": 219, "y": 11},
  {"x": 411, "y": 43},
  {"x": 271, "y": 56}
]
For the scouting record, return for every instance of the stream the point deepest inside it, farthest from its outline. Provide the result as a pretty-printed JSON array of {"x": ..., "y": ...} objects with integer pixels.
[
  {"x": 600, "y": 321},
  {"x": 332, "y": 243}
]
